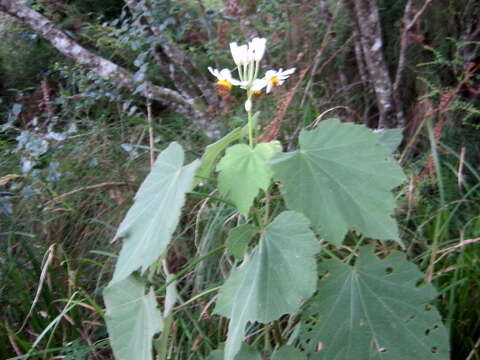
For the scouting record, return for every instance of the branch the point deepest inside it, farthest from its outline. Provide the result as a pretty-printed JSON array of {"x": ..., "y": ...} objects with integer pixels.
[
  {"x": 184, "y": 73},
  {"x": 407, "y": 26},
  {"x": 103, "y": 67}
]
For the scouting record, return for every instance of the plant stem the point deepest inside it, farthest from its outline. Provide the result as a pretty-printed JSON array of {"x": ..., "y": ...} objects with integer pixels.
[
  {"x": 250, "y": 125},
  {"x": 161, "y": 345}
]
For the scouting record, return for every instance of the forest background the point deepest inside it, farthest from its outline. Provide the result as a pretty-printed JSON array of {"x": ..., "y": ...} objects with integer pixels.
[{"x": 86, "y": 85}]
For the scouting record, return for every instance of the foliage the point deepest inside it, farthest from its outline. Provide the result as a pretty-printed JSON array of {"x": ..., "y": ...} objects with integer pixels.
[
  {"x": 279, "y": 275},
  {"x": 56, "y": 230},
  {"x": 126, "y": 299},
  {"x": 359, "y": 311},
  {"x": 340, "y": 178},
  {"x": 146, "y": 229},
  {"x": 244, "y": 172}
]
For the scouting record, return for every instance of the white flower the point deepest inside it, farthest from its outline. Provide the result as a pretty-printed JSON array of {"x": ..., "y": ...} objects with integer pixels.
[
  {"x": 225, "y": 81},
  {"x": 275, "y": 78},
  {"x": 256, "y": 48},
  {"x": 239, "y": 54},
  {"x": 258, "y": 85},
  {"x": 248, "y": 105},
  {"x": 245, "y": 54}
]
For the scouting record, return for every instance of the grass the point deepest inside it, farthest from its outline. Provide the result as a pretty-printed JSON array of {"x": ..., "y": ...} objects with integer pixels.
[{"x": 57, "y": 256}]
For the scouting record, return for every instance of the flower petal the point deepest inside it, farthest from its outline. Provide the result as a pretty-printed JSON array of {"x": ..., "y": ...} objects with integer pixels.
[
  {"x": 225, "y": 74},
  {"x": 258, "y": 84},
  {"x": 258, "y": 46}
]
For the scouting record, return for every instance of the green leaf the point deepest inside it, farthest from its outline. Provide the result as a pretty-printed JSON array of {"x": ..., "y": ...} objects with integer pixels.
[
  {"x": 390, "y": 138},
  {"x": 341, "y": 178},
  {"x": 132, "y": 319},
  {"x": 239, "y": 238},
  {"x": 288, "y": 352},
  {"x": 280, "y": 274},
  {"x": 148, "y": 226},
  {"x": 244, "y": 171},
  {"x": 246, "y": 353},
  {"x": 212, "y": 151},
  {"x": 374, "y": 310}
]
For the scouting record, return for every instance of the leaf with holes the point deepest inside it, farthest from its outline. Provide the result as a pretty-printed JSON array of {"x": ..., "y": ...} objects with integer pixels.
[
  {"x": 279, "y": 275},
  {"x": 148, "y": 226},
  {"x": 132, "y": 319},
  {"x": 244, "y": 171},
  {"x": 373, "y": 310},
  {"x": 341, "y": 178}
]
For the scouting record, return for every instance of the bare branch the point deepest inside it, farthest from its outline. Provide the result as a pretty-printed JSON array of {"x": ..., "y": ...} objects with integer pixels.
[{"x": 407, "y": 26}]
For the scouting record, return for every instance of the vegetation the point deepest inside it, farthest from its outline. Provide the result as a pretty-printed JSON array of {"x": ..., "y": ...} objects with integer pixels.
[{"x": 77, "y": 146}]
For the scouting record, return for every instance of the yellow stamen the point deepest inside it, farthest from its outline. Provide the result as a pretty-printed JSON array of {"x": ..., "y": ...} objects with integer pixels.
[
  {"x": 257, "y": 92},
  {"x": 224, "y": 85},
  {"x": 274, "y": 80}
]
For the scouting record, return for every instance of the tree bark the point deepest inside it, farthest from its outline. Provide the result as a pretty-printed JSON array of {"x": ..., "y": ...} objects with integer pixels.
[
  {"x": 186, "y": 106},
  {"x": 367, "y": 21}
]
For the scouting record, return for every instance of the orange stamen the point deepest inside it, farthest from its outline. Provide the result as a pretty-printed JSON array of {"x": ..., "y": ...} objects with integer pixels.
[{"x": 224, "y": 85}]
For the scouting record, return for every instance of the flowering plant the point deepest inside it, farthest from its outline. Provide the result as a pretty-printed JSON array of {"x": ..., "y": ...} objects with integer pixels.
[
  {"x": 288, "y": 214},
  {"x": 247, "y": 58}
]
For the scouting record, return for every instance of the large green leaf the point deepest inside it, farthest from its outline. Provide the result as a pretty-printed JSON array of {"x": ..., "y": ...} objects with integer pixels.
[
  {"x": 246, "y": 353},
  {"x": 212, "y": 151},
  {"x": 132, "y": 319},
  {"x": 244, "y": 171},
  {"x": 341, "y": 178},
  {"x": 374, "y": 310},
  {"x": 280, "y": 274},
  {"x": 239, "y": 238},
  {"x": 288, "y": 352},
  {"x": 148, "y": 226},
  {"x": 390, "y": 138}
]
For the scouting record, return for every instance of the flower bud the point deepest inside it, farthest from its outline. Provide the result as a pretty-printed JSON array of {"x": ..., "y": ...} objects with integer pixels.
[{"x": 248, "y": 105}]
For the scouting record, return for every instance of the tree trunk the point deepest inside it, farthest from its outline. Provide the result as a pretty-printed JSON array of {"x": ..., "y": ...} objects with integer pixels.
[
  {"x": 186, "y": 106},
  {"x": 367, "y": 22}
]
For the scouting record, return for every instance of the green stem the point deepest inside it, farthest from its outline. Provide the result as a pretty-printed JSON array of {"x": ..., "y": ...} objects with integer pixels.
[
  {"x": 161, "y": 345},
  {"x": 250, "y": 124}
]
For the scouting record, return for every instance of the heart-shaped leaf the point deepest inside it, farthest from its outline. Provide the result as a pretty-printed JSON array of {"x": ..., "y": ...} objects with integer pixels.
[{"x": 149, "y": 224}]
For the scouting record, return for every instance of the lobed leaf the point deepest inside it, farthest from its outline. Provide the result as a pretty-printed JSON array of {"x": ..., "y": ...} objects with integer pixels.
[
  {"x": 244, "y": 171},
  {"x": 280, "y": 274},
  {"x": 373, "y": 310},
  {"x": 341, "y": 178}
]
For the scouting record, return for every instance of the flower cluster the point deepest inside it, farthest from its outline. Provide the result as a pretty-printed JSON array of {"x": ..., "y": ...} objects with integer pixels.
[{"x": 247, "y": 58}]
